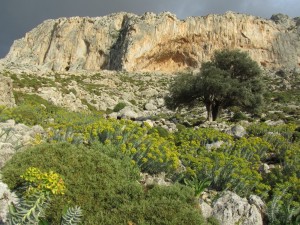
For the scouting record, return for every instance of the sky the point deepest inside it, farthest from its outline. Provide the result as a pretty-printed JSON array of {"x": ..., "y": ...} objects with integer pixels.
[{"x": 20, "y": 16}]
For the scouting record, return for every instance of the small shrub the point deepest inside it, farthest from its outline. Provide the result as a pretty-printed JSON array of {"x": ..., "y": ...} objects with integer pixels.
[
  {"x": 198, "y": 185},
  {"x": 39, "y": 188},
  {"x": 160, "y": 201},
  {"x": 119, "y": 106},
  {"x": 213, "y": 221},
  {"x": 133, "y": 102},
  {"x": 180, "y": 127},
  {"x": 238, "y": 116}
]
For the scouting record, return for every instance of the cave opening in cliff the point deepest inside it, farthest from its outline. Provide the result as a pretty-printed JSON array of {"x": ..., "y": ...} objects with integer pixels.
[{"x": 169, "y": 61}]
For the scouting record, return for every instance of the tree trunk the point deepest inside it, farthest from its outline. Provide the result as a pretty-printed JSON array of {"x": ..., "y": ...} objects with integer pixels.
[
  {"x": 208, "y": 106},
  {"x": 215, "y": 113},
  {"x": 215, "y": 110}
]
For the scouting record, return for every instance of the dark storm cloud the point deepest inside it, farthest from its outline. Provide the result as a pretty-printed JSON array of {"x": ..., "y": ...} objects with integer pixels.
[{"x": 19, "y": 16}]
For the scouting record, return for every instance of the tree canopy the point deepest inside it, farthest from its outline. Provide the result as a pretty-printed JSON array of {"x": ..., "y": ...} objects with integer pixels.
[{"x": 231, "y": 78}]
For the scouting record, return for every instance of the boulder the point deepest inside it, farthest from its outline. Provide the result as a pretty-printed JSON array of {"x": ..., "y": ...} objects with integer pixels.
[
  {"x": 156, "y": 179},
  {"x": 274, "y": 123},
  {"x": 6, "y": 92},
  {"x": 238, "y": 131},
  {"x": 206, "y": 209},
  {"x": 149, "y": 92},
  {"x": 150, "y": 106},
  {"x": 127, "y": 113},
  {"x": 264, "y": 168},
  {"x": 6, "y": 152},
  {"x": 149, "y": 123},
  {"x": 6, "y": 198},
  {"x": 160, "y": 102},
  {"x": 260, "y": 205},
  {"x": 214, "y": 145},
  {"x": 18, "y": 134},
  {"x": 231, "y": 209},
  {"x": 56, "y": 97}
]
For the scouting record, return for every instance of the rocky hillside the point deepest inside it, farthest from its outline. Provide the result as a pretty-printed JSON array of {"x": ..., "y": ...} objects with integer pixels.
[
  {"x": 151, "y": 42},
  {"x": 63, "y": 80}
]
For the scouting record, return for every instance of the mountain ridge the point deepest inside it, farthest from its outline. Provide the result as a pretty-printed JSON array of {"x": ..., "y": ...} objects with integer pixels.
[{"x": 154, "y": 42}]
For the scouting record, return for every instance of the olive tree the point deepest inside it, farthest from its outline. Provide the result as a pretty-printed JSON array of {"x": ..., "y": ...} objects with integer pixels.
[{"x": 231, "y": 78}]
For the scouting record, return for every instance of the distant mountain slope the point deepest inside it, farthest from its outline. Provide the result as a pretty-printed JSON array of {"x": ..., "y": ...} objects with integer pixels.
[{"x": 151, "y": 42}]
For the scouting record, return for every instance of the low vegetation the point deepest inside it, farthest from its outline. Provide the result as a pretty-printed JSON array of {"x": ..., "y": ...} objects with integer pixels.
[
  {"x": 105, "y": 187},
  {"x": 101, "y": 159}
]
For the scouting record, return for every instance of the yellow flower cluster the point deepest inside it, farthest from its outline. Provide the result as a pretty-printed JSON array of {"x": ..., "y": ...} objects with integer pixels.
[
  {"x": 43, "y": 182},
  {"x": 150, "y": 151},
  {"x": 194, "y": 141},
  {"x": 234, "y": 165}
]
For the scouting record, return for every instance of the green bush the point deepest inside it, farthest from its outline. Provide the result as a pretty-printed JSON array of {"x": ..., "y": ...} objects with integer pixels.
[
  {"x": 238, "y": 116},
  {"x": 160, "y": 201},
  {"x": 106, "y": 188},
  {"x": 118, "y": 107},
  {"x": 180, "y": 127},
  {"x": 213, "y": 221}
]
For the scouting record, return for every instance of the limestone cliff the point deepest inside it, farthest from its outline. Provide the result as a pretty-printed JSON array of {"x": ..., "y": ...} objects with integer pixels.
[{"x": 151, "y": 42}]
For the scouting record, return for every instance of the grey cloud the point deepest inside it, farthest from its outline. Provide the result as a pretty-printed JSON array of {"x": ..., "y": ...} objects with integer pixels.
[{"x": 20, "y": 16}]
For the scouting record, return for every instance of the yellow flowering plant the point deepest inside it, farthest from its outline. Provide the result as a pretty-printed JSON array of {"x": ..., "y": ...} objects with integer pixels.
[
  {"x": 151, "y": 152},
  {"x": 38, "y": 181}
]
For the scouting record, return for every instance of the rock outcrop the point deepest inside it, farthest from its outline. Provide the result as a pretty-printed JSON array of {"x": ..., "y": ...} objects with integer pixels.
[
  {"x": 151, "y": 42},
  {"x": 15, "y": 136},
  {"x": 231, "y": 209},
  {"x": 6, "y": 198},
  {"x": 6, "y": 92}
]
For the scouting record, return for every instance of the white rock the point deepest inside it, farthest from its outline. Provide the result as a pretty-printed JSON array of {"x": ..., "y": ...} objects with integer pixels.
[
  {"x": 150, "y": 107},
  {"x": 206, "y": 209},
  {"x": 274, "y": 123},
  {"x": 264, "y": 168},
  {"x": 238, "y": 131},
  {"x": 127, "y": 113},
  {"x": 6, "y": 92},
  {"x": 258, "y": 202},
  {"x": 6, "y": 197},
  {"x": 214, "y": 145},
  {"x": 149, "y": 122},
  {"x": 113, "y": 115},
  {"x": 149, "y": 93},
  {"x": 6, "y": 152},
  {"x": 231, "y": 209}
]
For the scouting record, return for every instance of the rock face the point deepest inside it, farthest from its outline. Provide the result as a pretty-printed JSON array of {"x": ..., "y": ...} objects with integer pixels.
[
  {"x": 6, "y": 92},
  {"x": 232, "y": 209},
  {"x": 6, "y": 198},
  {"x": 15, "y": 136},
  {"x": 151, "y": 42}
]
